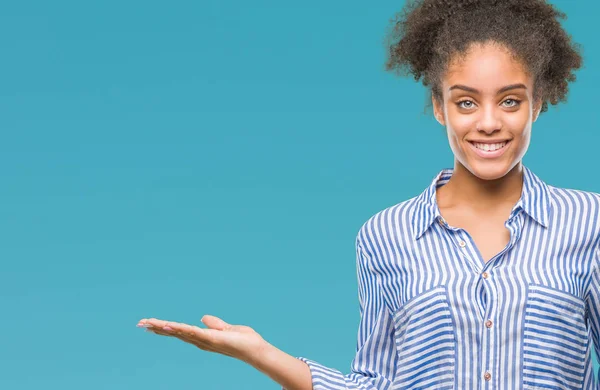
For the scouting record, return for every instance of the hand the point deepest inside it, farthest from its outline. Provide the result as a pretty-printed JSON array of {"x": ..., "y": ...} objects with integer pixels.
[{"x": 238, "y": 341}]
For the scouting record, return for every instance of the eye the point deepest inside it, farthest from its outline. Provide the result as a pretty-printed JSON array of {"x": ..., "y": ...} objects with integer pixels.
[
  {"x": 466, "y": 104},
  {"x": 511, "y": 103}
]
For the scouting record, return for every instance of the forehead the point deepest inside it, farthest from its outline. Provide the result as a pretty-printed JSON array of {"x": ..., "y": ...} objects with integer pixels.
[{"x": 486, "y": 67}]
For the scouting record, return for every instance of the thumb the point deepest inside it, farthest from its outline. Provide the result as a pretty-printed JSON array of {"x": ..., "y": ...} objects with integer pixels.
[{"x": 215, "y": 322}]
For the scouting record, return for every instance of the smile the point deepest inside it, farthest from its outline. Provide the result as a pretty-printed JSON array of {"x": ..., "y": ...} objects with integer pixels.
[
  {"x": 489, "y": 150},
  {"x": 490, "y": 147}
]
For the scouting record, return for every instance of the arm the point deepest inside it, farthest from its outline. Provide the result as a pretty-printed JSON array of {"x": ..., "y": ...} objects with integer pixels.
[
  {"x": 374, "y": 365},
  {"x": 592, "y": 302}
]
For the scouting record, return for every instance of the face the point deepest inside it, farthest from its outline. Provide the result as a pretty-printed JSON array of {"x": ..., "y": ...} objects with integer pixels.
[{"x": 487, "y": 110}]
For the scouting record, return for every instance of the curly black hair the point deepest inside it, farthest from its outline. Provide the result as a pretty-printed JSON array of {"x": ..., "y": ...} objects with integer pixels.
[{"x": 427, "y": 34}]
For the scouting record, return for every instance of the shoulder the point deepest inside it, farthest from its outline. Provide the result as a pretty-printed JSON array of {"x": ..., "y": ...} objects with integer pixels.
[
  {"x": 386, "y": 227},
  {"x": 577, "y": 208},
  {"x": 574, "y": 201}
]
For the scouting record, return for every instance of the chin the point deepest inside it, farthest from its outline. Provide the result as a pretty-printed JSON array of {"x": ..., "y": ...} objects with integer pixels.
[{"x": 490, "y": 170}]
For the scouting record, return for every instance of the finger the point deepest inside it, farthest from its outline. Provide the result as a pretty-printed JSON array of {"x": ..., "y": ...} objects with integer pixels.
[
  {"x": 152, "y": 323},
  {"x": 143, "y": 323},
  {"x": 215, "y": 322},
  {"x": 158, "y": 324},
  {"x": 189, "y": 334},
  {"x": 182, "y": 337},
  {"x": 204, "y": 339},
  {"x": 160, "y": 332},
  {"x": 160, "y": 327},
  {"x": 211, "y": 338}
]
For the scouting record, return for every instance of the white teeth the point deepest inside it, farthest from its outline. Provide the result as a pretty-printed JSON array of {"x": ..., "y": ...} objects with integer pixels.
[{"x": 490, "y": 147}]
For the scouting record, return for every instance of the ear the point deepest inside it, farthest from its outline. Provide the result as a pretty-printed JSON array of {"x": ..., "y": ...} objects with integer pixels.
[
  {"x": 537, "y": 108},
  {"x": 438, "y": 110}
]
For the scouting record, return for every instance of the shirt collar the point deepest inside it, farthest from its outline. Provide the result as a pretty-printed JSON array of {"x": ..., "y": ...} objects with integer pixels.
[{"x": 534, "y": 200}]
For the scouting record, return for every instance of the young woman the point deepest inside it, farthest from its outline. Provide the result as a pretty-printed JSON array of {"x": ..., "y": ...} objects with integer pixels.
[{"x": 490, "y": 278}]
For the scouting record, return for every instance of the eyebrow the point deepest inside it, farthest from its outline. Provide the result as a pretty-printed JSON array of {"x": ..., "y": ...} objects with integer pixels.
[{"x": 473, "y": 90}]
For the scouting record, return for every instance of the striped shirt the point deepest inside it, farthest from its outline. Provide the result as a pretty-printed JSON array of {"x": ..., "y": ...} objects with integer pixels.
[{"x": 435, "y": 315}]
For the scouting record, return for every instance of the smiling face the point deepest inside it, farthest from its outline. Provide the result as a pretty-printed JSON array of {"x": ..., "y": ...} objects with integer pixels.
[{"x": 488, "y": 108}]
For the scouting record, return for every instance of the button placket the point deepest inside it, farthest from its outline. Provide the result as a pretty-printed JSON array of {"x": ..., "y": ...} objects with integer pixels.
[
  {"x": 462, "y": 242},
  {"x": 488, "y": 335}
]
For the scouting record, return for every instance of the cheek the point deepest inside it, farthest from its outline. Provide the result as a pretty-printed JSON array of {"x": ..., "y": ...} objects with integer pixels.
[
  {"x": 519, "y": 125},
  {"x": 461, "y": 125},
  {"x": 518, "y": 120}
]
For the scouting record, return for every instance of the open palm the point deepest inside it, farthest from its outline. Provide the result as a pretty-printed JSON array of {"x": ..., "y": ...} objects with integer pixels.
[{"x": 238, "y": 341}]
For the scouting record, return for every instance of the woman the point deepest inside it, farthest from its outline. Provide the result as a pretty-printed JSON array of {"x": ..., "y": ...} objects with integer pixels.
[{"x": 489, "y": 278}]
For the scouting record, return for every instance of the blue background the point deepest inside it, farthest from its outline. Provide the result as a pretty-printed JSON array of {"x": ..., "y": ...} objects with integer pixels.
[{"x": 217, "y": 157}]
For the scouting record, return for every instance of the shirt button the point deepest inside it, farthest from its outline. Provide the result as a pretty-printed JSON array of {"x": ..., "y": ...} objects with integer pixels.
[
  {"x": 489, "y": 323},
  {"x": 462, "y": 244},
  {"x": 441, "y": 221},
  {"x": 485, "y": 275},
  {"x": 487, "y": 376}
]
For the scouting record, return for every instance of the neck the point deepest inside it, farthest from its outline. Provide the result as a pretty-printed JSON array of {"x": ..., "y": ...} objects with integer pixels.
[{"x": 464, "y": 188}]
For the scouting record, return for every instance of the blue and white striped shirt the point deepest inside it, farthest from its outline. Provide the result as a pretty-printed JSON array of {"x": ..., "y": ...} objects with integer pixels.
[{"x": 435, "y": 315}]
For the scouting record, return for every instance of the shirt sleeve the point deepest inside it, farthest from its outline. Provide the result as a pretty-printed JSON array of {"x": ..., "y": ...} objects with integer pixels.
[
  {"x": 374, "y": 365},
  {"x": 593, "y": 304}
]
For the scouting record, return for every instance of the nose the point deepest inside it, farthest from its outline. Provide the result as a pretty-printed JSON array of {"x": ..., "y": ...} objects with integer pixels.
[{"x": 489, "y": 121}]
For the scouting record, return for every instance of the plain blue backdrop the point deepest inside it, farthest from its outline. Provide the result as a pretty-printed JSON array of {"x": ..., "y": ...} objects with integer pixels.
[{"x": 212, "y": 157}]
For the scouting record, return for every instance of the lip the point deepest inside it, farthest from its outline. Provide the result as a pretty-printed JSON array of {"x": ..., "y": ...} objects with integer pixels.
[
  {"x": 487, "y": 141},
  {"x": 494, "y": 154}
]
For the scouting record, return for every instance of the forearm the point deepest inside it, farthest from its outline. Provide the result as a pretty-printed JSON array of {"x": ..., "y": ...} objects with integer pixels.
[{"x": 288, "y": 371}]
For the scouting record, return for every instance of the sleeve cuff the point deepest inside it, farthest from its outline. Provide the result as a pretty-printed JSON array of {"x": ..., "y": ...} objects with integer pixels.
[{"x": 325, "y": 378}]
